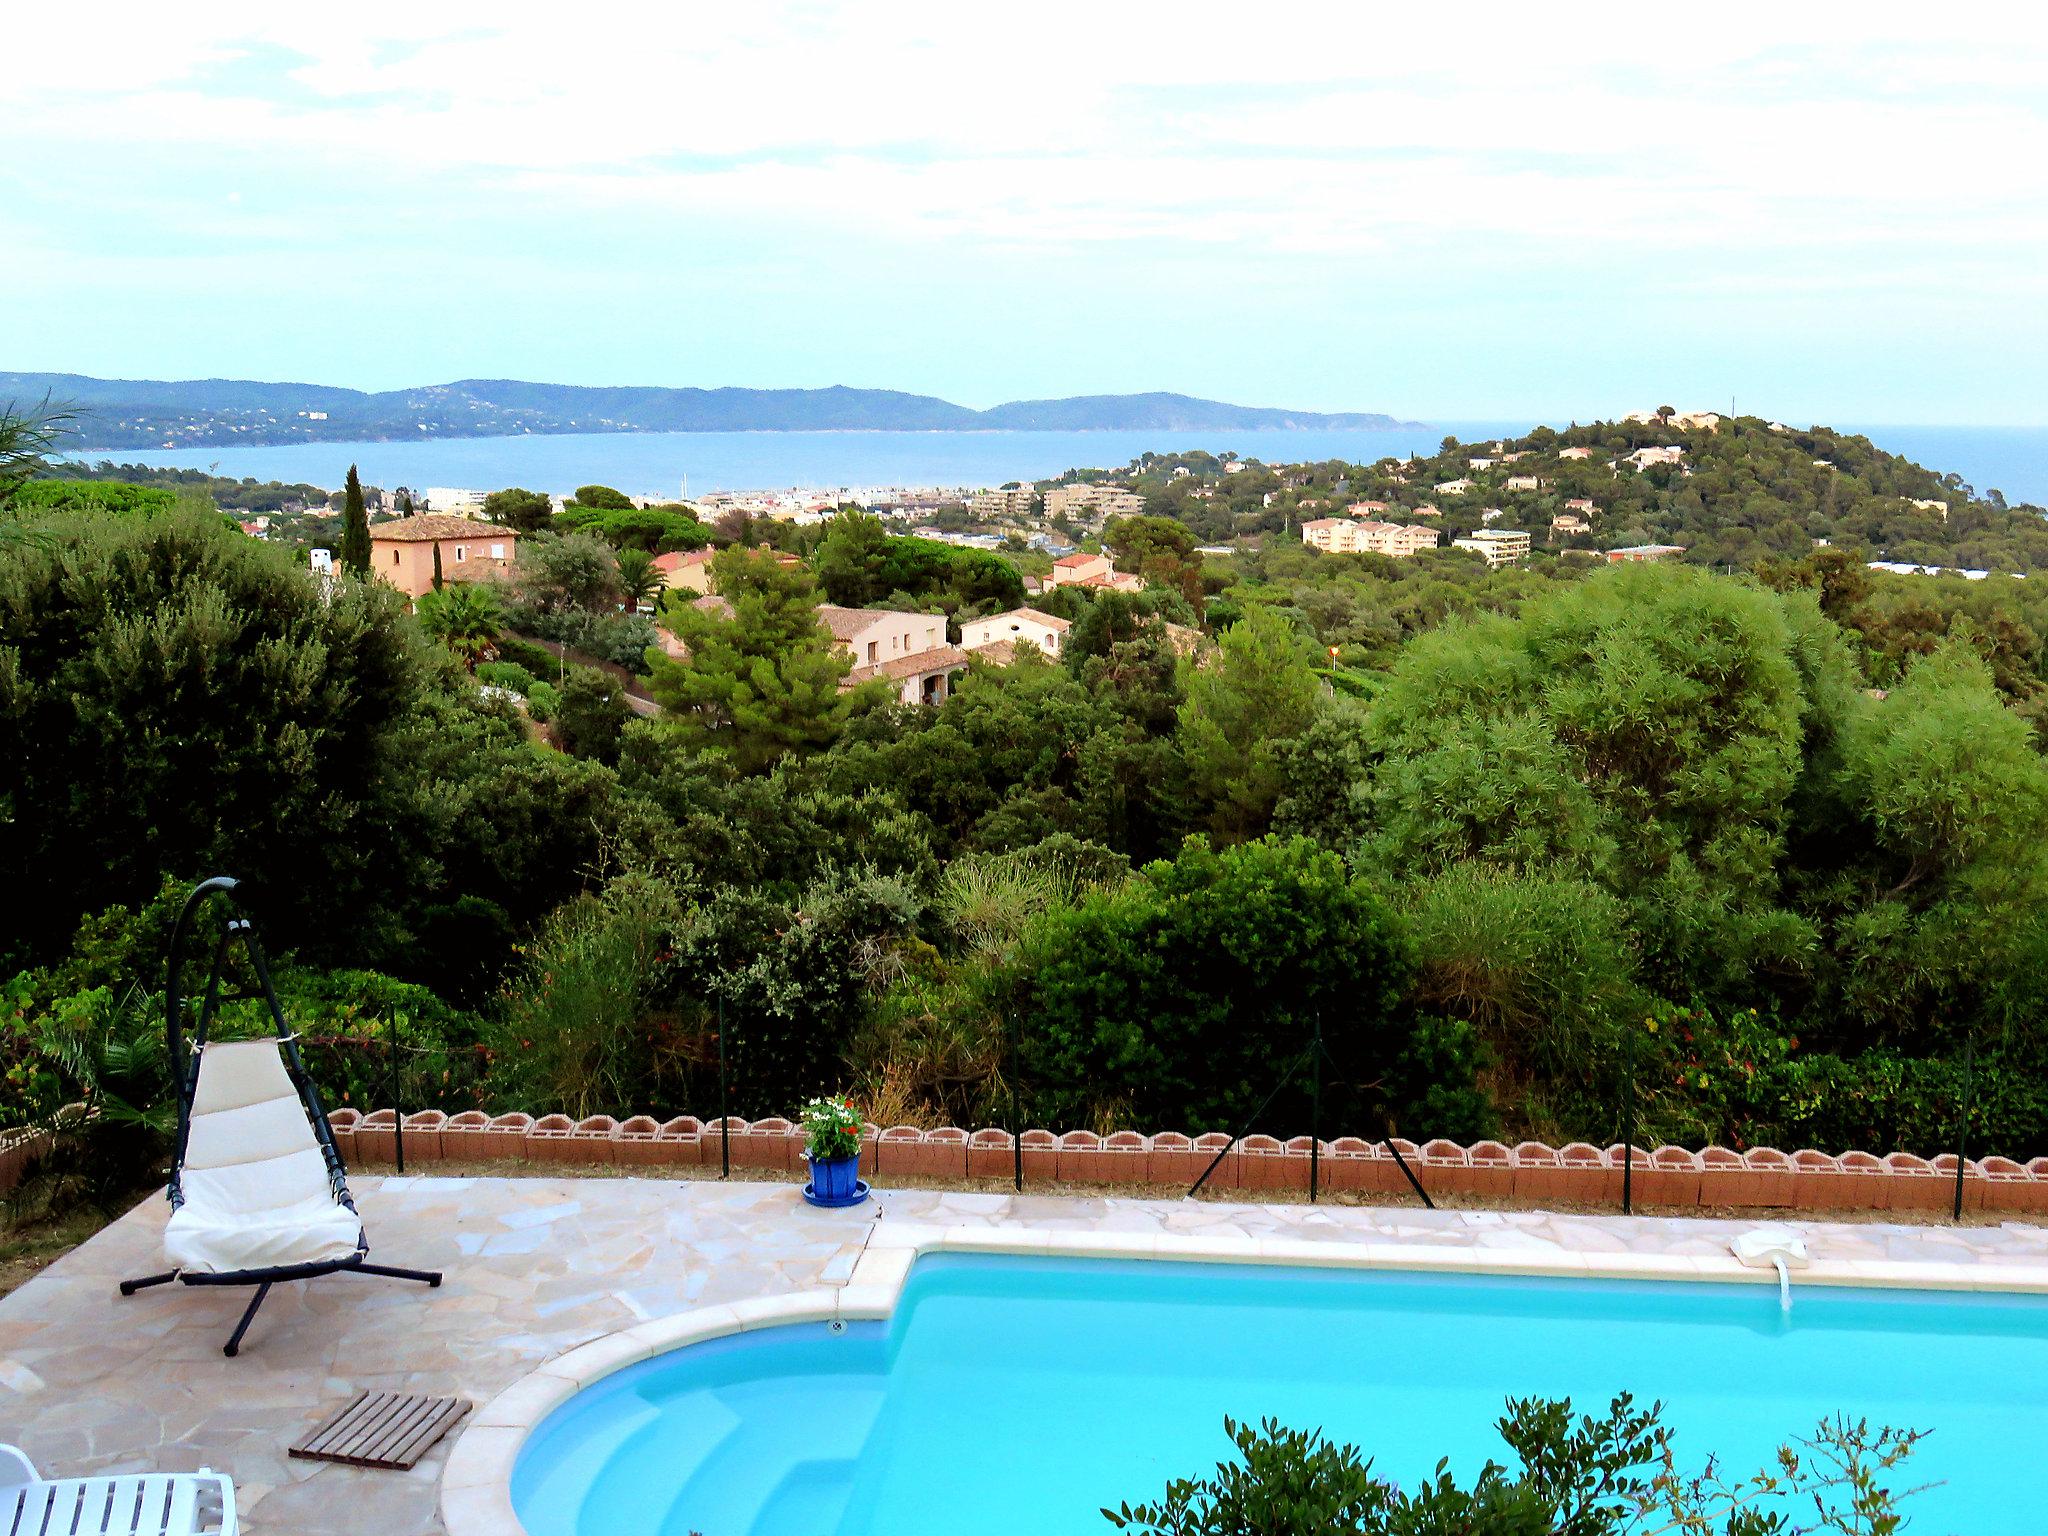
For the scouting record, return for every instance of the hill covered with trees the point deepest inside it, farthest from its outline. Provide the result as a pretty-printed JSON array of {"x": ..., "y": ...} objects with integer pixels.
[{"x": 1741, "y": 491}]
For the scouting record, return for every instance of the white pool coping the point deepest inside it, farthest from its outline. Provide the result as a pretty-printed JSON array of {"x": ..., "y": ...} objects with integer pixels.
[{"x": 476, "y": 1487}]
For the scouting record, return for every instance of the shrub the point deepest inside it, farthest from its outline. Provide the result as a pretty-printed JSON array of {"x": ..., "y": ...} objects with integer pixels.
[
  {"x": 1183, "y": 997},
  {"x": 1541, "y": 964},
  {"x": 789, "y": 984},
  {"x": 505, "y": 674},
  {"x": 591, "y": 713},
  {"x": 573, "y": 1035},
  {"x": 91, "y": 1071},
  {"x": 1611, "y": 1476},
  {"x": 345, "y": 1022}
]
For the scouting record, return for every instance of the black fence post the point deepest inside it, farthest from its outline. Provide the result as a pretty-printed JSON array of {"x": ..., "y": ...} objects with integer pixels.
[
  {"x": 397, "y": 1109},
  {"x": 724, "y": 1102},
  {"x": 1016, "y": 1114},
  {"x": 1628, "y": 1129},
  {"x": 1315, "y": 1114},
  {"x": 1409, "y": 1173},
  {"x": 1963, "y": 1120},
  {"x": 1016, "y": 1142}
]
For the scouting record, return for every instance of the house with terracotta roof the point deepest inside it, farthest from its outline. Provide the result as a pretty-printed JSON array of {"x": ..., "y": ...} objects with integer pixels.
[
  {"x": 402, "y": 551},
  {"x": 1046, "y": 631},
  {"x": 1086, "y": 570},
  {"x": 689, "y": 569},
  {"x": 907, "y": 650}
]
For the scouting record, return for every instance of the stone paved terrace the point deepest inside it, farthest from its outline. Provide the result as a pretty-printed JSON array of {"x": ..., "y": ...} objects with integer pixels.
[{"x": 90, "y": 1382}]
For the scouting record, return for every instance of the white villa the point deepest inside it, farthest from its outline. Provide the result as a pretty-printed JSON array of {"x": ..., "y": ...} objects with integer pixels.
[{"x": 1044, "y": 630}]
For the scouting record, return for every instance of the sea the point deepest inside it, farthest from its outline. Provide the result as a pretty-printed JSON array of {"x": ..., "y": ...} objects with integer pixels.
[{"x": 2013, "y": 460}]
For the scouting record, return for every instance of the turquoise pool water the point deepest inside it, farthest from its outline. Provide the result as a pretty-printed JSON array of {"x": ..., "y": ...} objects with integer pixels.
[{"x": 1021, "y": 1395}]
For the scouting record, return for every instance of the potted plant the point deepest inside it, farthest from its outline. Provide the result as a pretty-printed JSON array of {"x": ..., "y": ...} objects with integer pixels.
[{"x": 832, "y": 1148}]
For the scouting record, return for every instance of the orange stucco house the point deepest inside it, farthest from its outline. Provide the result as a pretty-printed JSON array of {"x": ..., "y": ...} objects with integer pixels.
[{"x": 402, "y": 552}]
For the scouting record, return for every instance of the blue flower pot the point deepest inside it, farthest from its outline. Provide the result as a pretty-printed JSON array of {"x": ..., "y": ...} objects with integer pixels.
[{"x": 835, "y": 1181}]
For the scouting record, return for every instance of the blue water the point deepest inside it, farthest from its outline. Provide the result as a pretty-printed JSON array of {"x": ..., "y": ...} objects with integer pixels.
[
  {"x": 2014, "y": 459},
  {"x": 654, "y": 463},
  {"x": 1021, "y": 1396}
]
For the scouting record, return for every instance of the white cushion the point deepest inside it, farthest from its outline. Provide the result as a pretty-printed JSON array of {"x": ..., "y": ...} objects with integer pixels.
[{"x": 254, "y": 1179}]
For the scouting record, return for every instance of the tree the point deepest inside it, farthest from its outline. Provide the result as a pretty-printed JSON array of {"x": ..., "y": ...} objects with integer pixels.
[
  {"x": 527, "y": 511},
  {"x": 465, "y": 617},
  {"x": 763, "y": 676},
  {"x": 849, "y": 561},
  {"x": 1653, "y": 729},
  {"x": 569, "y": 571},
  {"x": 638, "y": 578},
  {"x": 591, "y": 713},
  {"x": 1159, "y": 549},
  {"x": 27, "y": 435},
  {"x": 604, "y": 498},
  {"x": 437, "y": 578},
  {"x": 645, "y": 528},
  {"x": 168, "y": 662},
  {"x": 1259, "y": 692},
  {"x": 355, "y": 527}
]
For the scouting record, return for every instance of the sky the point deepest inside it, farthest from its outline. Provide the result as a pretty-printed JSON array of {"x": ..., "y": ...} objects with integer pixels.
[{"x": 1822, "y": 212}]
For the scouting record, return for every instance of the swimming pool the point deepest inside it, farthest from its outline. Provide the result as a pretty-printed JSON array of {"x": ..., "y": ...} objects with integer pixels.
[{"x": 1021, "y": 1395}]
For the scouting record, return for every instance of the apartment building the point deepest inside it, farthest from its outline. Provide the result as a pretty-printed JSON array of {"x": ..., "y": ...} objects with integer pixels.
[
  {"x": 1500, "y": 546},
  {"x": 1347, "y": 536},
  {"x": 1088, "y": 502},
  {"x": 1010, "y": 503}
]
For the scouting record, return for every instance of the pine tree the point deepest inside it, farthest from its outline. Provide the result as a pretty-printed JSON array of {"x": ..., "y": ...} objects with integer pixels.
[
  {"x": 762, "y": 680},
  {"x": 355, "y": 527}
]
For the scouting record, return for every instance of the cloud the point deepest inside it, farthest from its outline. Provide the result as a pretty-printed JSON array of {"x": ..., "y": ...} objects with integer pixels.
[{"x": 1886, "y": 152}]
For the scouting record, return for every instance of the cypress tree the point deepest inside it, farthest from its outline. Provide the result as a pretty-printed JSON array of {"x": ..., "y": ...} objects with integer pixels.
[
  {"x": 355, "y": 527},
  {"x": 437, "y": 567}
]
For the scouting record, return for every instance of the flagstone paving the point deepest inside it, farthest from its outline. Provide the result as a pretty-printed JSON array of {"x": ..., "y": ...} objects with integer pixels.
[{"x": 91, "y": 1382}]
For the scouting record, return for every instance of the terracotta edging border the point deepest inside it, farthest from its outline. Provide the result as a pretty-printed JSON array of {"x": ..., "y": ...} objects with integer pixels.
[
  {"x": 1666, "y": 1177},
  {"x": 476, "y": 1484}
]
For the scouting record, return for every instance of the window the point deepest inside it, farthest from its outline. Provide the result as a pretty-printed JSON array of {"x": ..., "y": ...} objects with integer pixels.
[
  {"x": 394, "y": 557},
  {"x": 497, "y": 551},
  {"x": 461, "y": 553},
  {"x": 873, "y": 647}
]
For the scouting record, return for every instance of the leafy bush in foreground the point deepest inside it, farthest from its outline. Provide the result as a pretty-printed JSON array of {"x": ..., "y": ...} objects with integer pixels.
[{"x": 1612, "y": 1476}]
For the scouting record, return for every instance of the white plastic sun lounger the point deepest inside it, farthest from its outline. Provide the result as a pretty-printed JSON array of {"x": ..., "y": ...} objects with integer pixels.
[{"x": 198, "y": 1503}]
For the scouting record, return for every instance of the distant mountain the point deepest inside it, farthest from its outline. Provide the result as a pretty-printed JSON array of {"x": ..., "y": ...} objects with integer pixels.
[{"x": 194, "y": 413}]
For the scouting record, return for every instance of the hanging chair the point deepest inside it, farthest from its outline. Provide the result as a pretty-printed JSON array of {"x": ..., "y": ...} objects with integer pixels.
[{"x": 258, "y": 1192}]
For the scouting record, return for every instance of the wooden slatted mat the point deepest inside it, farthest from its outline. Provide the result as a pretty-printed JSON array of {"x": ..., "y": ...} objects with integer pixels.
[{"x": 382, "y": 1429}]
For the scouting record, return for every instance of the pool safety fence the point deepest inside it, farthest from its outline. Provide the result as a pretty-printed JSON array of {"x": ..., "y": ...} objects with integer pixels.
[{"x": 1532, "y": 1172}]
